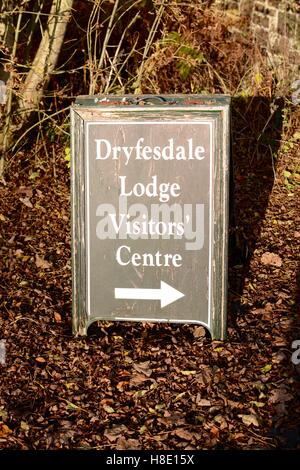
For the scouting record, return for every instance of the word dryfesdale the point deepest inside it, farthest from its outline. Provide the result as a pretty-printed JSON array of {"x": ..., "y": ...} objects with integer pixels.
[{"x": 105, "y": 150}]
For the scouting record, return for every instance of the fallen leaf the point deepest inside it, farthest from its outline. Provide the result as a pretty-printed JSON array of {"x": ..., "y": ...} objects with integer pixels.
[
  {"x": 138, "y": 379},
  {"x": 221, "y": 421},
  {"x": 121, "y": 385},
  {"x": 279, "y": 341},
  {"x": 69, "y": 385},
  {"x": 143, "y": 368},
  {"x": 41, "y": 263},
  {"x": 27, "y": 191},
  {"x": 176, "y": 419},
  {"x": 249, "y": 419},
  {"x": 179, "y": 396},
  {"x": 267, "y": 310},
  {"x": 72, "y": 406},
  {"x": 183, "y": 434},
  {"x": 143, "y": 429},
  {"x": 4, "y": 430},
  {"x": 266, "y": 368},
  {"x": 280, "y": 395},
  {"x": 279, "y": 357},
  {"x": 238, "y": 436},
  {"x": 160, "y": 406},
  {"x": 34, "y": 175},
  {"x": 128, "y": 359},
  {"x": 18, "y": 253},
  {"x": 24, "y": 426},
  {"x": 3, "y": 415},
  {"x": 140, "y": 393},
  {"x": 108, "y": 409},
  {"x": 281, "y": 409},
  {"x": 199, "y": 332},
  {"x": 112, "y": 434},
  {"x": 189, "y": 372},
  {"x": 215, "y": 431},
  {"x": 40, "y": 359},
  {"x": 26, "y": 201},
  {"x": 271, "y": 259},
  {"x": 57, "y": 317},
  {"x": 127, "y": 444},
  {"x": 296, "y": 135},
  {"x": 258, "y": 404},
  {"x": 117, "y": 338},
  {"x": 203, "y": 402},
  {"x": 284, "y": 295}
]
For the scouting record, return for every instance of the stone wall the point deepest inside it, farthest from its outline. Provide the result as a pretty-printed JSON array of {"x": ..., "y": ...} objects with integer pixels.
[{"x": 275, "y": 23}]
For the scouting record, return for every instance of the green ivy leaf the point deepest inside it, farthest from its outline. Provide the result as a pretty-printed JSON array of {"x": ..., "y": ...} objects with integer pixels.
[{"x": 266, "y": 368}]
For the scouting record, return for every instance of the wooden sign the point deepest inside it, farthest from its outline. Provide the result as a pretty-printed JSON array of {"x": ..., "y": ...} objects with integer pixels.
[{"x": 150, "y": 210}]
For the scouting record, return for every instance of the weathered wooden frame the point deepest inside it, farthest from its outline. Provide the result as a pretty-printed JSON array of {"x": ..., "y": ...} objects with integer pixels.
[{"x": 216, "y": 107}]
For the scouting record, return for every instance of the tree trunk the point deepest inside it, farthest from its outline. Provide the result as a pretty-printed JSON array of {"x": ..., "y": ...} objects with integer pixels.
[
  {"x": 6, "y": 42},
  {"x": 43, "y": 65},
  {"x": 46, "y": 57}
]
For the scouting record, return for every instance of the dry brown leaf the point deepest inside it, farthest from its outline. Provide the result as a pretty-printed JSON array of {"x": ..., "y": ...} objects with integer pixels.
[
  {"x": 199, "y": 332},
  {"x": 18, "y": 253},
  {"x": 281, "y": 409},
  {"x": 284, "y": 295},
  {"x": 261, "y": 311},
  {"x": 278, "y": 341},
  {"x": 203, "y": 402},
  {"x": 138, "y": 379},
  {"x": 143, "y": 368},
  {"x": 175, "y": 419},
  {"x": 57, "y": 317},
  {"x": 215, "y": 431},
  {"x": 183, "y": 434},
  {"x": 27, "y": 191},
  {"x": 115, "y": 432},
  {"x": 41, "y": 263},
  {"x": 26, "y": 201},
  {"x": 271, "y": 259},
  {"x": 239, "y": 436},
  {"x": 280, "y": 395},
  {"x": 234, "y": 404},
  {"x": 127, "y": 444},
  {"x": 40, "y": 359},
  {"x": 121, "y": 385},
  {"x": 249, "y": 419}
]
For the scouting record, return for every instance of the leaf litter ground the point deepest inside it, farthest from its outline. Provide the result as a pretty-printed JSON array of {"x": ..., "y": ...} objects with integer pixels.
[{"x": 145, "y": 386}]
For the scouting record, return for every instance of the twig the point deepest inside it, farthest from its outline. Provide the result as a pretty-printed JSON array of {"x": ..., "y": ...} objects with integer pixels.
[
  {"x": 37, "y": 124},
  {"x": 148, "y": 44},
  {"x": 273, "y": 166},
  {"x": 113, "y": 68}
]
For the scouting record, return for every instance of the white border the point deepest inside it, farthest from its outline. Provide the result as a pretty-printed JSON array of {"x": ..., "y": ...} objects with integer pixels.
[{"x": 87, "y": 199}]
